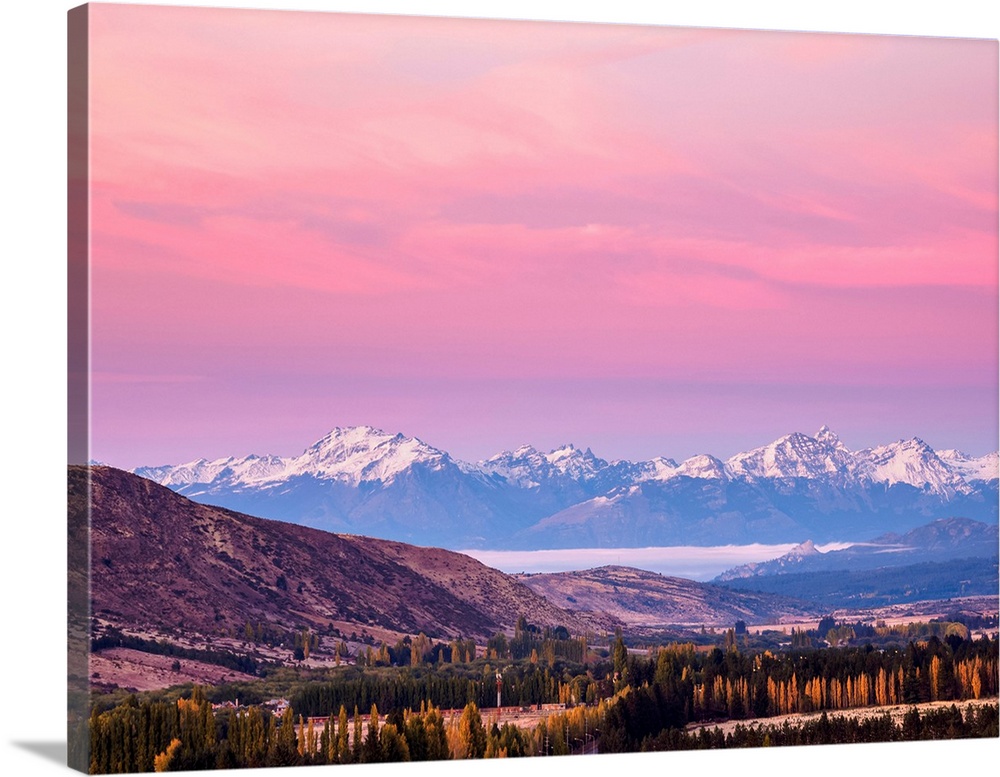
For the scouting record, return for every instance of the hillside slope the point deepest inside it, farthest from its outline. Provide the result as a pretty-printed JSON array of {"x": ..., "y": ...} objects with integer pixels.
[
  {"x": 163, "y": 561},
  {"x": 638, "y": 598}
]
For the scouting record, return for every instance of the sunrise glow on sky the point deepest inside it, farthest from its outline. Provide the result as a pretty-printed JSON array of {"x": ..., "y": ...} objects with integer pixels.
[{"x": 646, "y": 240}]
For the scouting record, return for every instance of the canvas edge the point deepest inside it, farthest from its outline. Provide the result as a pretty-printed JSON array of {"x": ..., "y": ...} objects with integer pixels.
[{"x": 78, "y": 387}]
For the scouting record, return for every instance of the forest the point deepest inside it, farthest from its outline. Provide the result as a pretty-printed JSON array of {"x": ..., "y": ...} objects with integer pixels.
[{"x": 626, "y": 702}]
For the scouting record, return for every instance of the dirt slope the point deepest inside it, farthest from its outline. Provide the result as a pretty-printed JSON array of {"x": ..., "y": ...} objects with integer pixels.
[{"x": 161, "y": 560}]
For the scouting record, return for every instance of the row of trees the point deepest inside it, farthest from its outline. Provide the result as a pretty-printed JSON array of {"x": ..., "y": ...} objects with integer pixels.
[
  {"x": 947, "y": 723},
  {"x": 187, "y": 735},
  {"x": 420, "y": 650},
  {"x": 140, "y": 737},
  {"x": 450, "y": 687},
  {"x": 529, "y": 641},
  {"x": 114, "y": 638}
]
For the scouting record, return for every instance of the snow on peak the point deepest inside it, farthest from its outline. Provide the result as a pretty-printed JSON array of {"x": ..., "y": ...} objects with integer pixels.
[
  {"x": 357, "y": 454},
  {"x": 911, "y": 462},
  {"x": 971, "y": 468},
  {"x": 352, "y": 455},
  {"x": 702, "y": 466},
  {"x": 658, "y": 468},
  {"x": 362, "y": 453},
  {"x": 525, "y": 467},
  {"x": 340, "y": 438},
  {"x": 795, "y": 455},
  {"x": 528, "y": 467},
  {"x": 829, "y": 438},
  {"x": 245, "y": 469},
  {"x": 914, "y": 463},
  {"x": 571, "y": 461},
  {"x": 562, "y": 452}
]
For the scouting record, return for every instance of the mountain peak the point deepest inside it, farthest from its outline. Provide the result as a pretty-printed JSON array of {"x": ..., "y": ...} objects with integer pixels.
[
  {"x": 350, "y": 433},
  {"x": 703, "y": 466},
  {"x": 795, "y": 455},
  {"x": 570, "y": 461},
  {"x": 914, "y": 463},
  {"x": 562, "y": 452},
  {"x": 827, "y": 435},
  {"x": 972, "y": 468},
  {"x": 807, "y": 548}
]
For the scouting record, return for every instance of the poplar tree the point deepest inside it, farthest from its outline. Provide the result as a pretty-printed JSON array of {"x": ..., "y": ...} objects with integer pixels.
[
  {"x": 162, "y": 762},
  {"x": 327, "y": 742},
  {"x": 357, "y": 744},
  {"x": 372, "y": 749},
  {"x": 392, "y": 745},
  {"x": 343, "y": 751},
  {"x": 471, "y": 741}
]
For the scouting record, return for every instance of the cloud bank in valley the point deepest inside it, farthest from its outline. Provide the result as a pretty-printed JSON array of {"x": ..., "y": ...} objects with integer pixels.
[{"x": 694, "y": 563}]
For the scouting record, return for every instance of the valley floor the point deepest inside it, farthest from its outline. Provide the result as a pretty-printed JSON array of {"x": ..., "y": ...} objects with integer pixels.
[
  {"x": 896, "y": 614},
  {"x": 141, "y": 671}
]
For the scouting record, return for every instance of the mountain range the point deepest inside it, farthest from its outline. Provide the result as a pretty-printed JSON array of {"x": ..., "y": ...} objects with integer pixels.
[
  {"x": 161, "y": 563},
  {"x": 363, "y": 480}
]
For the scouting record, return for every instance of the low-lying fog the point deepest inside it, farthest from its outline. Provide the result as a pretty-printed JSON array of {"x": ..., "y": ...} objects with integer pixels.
[{"x": 694, "y": 563}]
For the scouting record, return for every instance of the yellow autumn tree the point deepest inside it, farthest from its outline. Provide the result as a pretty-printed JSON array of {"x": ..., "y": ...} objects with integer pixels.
[{"x": 162, "y": 762}]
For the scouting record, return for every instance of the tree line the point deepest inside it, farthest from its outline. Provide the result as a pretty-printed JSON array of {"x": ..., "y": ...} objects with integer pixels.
[
  {"x": 187, "y": 735},
  {"x": 916, "y": 725},
  {"x": 450, "y": 687},
  {"x": 114, "y": 638},
  {"x": 628, "y": 703},
  {"x": 678, "y": 685}
]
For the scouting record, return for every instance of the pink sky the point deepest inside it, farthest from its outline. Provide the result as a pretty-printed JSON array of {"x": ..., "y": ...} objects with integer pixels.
[{"x": 651, "y": 241}]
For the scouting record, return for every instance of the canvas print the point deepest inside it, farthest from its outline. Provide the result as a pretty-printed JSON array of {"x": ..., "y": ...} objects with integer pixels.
[{"x": 461, "y": 389}]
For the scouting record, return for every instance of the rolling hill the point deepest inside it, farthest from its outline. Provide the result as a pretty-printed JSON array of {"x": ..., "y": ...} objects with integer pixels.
[
  {"x": 163, "y": 561},
  {"x": 637, "y": 598}
]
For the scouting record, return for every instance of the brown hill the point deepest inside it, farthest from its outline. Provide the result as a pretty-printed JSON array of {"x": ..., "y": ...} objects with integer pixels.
[
  {"x": 643, "y": 599},
  {"x": 162, "y": 561}
]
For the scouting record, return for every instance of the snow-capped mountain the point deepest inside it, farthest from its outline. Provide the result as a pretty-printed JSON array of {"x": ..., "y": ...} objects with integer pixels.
[
  {"x": 971, "y": 468},
  {"x": 797, "y": 456},
  {"x": 911, "y": 462},
  {"x": 700, "y": 466},
  {"x": 658, "y": 468},
  {"x": 703, "y": 466},
  {"x": 528, "y": 467},
  {"x": 353, "y": 456},
  {"x": 914, "y": 463},
  {"x": 363, "y": 454},
  {"x": 244, "y": 470},
  {"x": 365, "y": 480}
]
